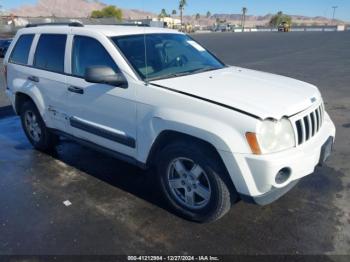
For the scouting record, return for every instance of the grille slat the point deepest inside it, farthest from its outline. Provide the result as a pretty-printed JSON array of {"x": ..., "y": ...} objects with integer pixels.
[
  {"x": 299, "y": 131},
  {"x": 318, "y": 118},
  {"x": 309, "y": 125},
  {"x": 309, "y": 135},
  {"x": 303, "y": 132},
  {"x": 307, "y": 128},
  {"x": 313, "y": 124}
]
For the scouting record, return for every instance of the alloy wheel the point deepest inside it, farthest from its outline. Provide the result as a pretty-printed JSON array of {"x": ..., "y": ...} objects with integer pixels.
[
  {"x": 189, "y": 183},
  {"x": 32, "y": 126}
]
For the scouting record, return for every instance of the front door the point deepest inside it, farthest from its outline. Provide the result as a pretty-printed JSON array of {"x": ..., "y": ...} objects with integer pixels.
[{"x": 99, "y": 113}]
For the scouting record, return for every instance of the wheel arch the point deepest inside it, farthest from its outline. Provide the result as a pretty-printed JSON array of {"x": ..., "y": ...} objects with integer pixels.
[
  {"x": 21, "y": 97},
  {"x": 168, "y": 136}
]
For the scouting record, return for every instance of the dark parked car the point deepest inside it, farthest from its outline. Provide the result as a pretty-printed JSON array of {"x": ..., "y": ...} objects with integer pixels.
[{"x": 4, "y": 45}]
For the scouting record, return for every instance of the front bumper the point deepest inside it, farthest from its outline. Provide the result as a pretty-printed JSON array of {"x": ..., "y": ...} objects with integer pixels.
[
  {"x": 254, "y": 176},
  {"x": 270, "y": 196}
]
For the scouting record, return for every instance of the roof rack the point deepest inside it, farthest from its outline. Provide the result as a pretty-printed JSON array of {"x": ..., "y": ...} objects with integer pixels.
[
  {"x": 121, "y": 24},
  {"x": 131, "y": 24},
  {"x": 73, "y": 24}
]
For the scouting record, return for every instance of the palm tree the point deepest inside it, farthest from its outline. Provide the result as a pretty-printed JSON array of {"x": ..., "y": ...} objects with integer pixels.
[
  {"x": 163, "y": 13},
  {"x": 173, "y": 14},
  {"x": 198, "y": 16},
  {"x": 182, "y": 5},
  {"x": 208, "y": 14},
  {"x": 244, "y": 12}
]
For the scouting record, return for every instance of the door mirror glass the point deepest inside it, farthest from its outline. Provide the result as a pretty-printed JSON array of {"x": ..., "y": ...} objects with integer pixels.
[{"x": 105, "y": 75}]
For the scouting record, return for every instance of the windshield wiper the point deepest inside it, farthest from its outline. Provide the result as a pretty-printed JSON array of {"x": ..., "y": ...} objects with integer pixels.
[
  {"x": 168, "y": 76},
  {"x": 205, "y": 69},
  {"x": 196, "y": 71}
]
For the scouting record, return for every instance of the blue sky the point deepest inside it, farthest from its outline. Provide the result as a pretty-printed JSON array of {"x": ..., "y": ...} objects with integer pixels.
[{"x": 255, "y": 7}]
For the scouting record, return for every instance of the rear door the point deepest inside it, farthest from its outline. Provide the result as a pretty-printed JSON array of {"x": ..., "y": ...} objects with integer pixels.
[{"x": 48, "y": 74}]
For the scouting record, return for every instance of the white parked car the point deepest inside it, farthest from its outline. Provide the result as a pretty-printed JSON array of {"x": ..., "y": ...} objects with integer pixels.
[{"x": 156, "y": 98}]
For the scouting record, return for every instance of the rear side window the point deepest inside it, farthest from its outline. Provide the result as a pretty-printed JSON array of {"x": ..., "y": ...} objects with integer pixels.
[
  {"x": 50, "y": 52},
  {"x": 21, "y": 51},
  {"x": 88, "y": 52}
]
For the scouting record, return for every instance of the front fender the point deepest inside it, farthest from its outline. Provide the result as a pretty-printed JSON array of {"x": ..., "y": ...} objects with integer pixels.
[{"x": 220, "y": 135}]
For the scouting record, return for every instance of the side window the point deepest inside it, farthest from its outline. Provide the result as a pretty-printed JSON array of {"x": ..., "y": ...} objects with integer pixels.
[
  {"x": 49, "y": 54},
  {"x": 88, "y": 52},
  {"x": 21, "y": 50}
]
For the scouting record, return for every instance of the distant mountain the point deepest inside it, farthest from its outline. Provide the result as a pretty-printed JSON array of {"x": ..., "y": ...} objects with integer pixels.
[
  {"x": 252, "y": 21},
  {"x": 71, "y": 8},
  {"x": 83, "y": 8},
  {"x": 137, "y": 14},
  {"x": 59, "y": 8}
]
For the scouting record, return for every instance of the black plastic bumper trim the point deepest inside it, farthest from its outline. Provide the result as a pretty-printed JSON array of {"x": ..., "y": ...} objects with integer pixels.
[{"x": 270, "y": 196}]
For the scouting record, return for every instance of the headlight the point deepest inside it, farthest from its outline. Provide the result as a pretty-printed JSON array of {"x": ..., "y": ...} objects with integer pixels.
[{"x": 272, "y": 136}]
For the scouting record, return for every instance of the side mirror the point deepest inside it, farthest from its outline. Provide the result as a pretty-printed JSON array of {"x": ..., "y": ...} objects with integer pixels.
[{"x": 105, "y": 75}]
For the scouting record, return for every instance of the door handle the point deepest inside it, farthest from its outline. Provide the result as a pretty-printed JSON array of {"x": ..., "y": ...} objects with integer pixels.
[
  {"x": 75, "y": 89},
  {"x": 33, "y": 79}
]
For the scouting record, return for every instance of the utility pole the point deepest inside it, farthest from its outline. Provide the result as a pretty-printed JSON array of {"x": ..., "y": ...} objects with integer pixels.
[{"x": 333, "y": 18}]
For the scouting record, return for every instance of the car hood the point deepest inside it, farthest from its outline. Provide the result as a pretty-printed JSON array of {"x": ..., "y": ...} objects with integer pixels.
[{"x": 260, "y": 94}]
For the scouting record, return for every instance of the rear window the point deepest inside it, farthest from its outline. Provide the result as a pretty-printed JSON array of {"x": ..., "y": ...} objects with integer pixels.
[
  {"x": 20, "y": 53},
  {"x": 50, "y": 52}
]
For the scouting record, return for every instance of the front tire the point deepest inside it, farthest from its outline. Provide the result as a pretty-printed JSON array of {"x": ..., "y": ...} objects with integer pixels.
[
  {"x": 195, "y": 182},
  {"x": 35, "y": 129}
]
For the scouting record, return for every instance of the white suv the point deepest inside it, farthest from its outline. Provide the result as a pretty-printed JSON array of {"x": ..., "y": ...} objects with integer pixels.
[{"x": 156, "y": 98}]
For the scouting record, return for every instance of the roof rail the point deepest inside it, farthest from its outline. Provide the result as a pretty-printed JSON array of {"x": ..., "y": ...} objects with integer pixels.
[
  {"x": 122, "y": 24},
  {"x": 131, "y": 24},
  {"x": 74, "y": 24}
]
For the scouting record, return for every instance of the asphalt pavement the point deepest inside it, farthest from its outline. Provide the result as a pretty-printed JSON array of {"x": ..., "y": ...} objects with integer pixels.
[{"x": 117, "y": 208}]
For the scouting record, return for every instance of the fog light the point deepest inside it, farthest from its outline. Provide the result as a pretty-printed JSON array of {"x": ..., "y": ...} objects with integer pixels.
[{"x": 283, "y": 175}]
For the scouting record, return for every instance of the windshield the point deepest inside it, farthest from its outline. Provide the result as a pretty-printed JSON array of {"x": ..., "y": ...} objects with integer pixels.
[{"x": 168, "y": 55}]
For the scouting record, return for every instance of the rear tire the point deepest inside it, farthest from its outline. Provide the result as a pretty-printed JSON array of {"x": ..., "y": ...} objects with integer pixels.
[
  {"x": 195, "y": 182},
  {"x": 35, "y": 129}
]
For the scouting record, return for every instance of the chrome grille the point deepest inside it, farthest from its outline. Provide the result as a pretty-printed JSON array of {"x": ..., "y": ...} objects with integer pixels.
[{"x": 308, "y": 125}]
